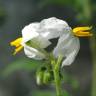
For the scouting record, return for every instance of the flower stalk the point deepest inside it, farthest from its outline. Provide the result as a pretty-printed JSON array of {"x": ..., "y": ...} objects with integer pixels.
[{"x": 56, "y": 70}]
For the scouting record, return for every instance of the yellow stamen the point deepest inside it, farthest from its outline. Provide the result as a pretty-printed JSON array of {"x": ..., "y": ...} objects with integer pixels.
[
  {"x": 17, "y": 44},
  {"x": 82, "y": 31},
  {"x": 17, "y": 49}
]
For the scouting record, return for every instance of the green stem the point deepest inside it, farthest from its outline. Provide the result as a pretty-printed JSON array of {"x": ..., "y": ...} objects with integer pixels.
[
  {"x": 57, "y": 82},
  {"x": 56, "y": 69}
]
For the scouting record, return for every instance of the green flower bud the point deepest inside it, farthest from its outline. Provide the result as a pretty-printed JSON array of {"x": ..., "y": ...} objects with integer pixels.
[
  {"x": 47, "y": 77},
  {"x": 39, "y": 77}
]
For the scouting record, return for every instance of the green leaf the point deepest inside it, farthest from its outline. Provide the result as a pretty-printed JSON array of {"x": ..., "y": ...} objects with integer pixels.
[{"x": 22, "y": 64}]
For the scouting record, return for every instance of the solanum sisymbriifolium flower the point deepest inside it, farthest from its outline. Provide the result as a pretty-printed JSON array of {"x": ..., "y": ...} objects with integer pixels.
[{"x": 36, "y": 38}]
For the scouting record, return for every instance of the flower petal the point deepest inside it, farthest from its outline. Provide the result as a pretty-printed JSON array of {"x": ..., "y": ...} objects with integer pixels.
[
  {"x": 33, "y": 53},
  {"x": 30, "y": 31},
  {"x": 67, "y": 47},
  {"x": 41, "y": 42},
  {"x": 52, "y": 23},
  {"x": 61, "y": 45},
  {"x": 69, "y": 59},
  {"x": 53, "y": 28}
]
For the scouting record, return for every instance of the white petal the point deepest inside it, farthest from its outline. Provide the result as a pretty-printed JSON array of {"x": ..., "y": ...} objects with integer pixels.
[
  {"x": 68, "y": 47},
  {"x": 29, "y": 53},
  {"x": 62, "y": 45},
  {"x": 53, "y": 27},
  {"x": 41, "y": 41},
  {"x": 62, "y": 42},
  {"x": 33, "y": 53},
  {"x": 69, "y": 59},
  {"x": 52, "y": 23},
  {"x": 30, "y": 31}
]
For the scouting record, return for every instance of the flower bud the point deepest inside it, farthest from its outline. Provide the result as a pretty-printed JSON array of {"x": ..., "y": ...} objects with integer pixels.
[
  {"x": 47, "y": 77},
  {"x": 39, "y": 77}
]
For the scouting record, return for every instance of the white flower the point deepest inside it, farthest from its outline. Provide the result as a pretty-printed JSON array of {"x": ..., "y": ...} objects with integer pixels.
[
  {"x": 41, "y": 33},
  {"x": 38, "y": 34}
]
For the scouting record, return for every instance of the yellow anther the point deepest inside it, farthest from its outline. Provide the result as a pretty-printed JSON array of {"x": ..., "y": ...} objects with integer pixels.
[
  {"x": 17, "y": 44},
  {"x": 17, "y": 49},
  {"x": 82, "y": 31}
]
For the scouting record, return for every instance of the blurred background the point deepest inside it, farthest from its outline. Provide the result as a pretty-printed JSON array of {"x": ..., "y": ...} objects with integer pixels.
[{"x": 17, "y": 73}]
